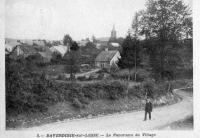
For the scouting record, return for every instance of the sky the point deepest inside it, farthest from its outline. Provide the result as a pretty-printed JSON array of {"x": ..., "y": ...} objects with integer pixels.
[{"x": 52, "y": 19}]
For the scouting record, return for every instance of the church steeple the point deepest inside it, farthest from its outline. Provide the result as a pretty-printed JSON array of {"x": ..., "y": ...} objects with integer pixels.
[
  {"x": 113, "y": 27},
  {"x": 113, "y": 33}
]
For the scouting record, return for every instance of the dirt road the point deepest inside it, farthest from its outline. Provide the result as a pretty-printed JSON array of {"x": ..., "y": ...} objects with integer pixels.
[{"x": 128, "y": 121}]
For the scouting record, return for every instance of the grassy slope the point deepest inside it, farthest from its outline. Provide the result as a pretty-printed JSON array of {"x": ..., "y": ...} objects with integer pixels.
[{"x": 64, "y": 110}]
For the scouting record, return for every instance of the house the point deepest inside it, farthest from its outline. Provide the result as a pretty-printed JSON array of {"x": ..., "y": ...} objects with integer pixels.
[
  {"x": 45, "y": 53},
  {"x": 23, "y": 50},
  {"x": 107, "y": 58},
  {"x": 10, "y": 46},
  {"x": 46, "y": 57},
  {"x": 40, "y": 54},
  {"x": 60, "y": 49}
]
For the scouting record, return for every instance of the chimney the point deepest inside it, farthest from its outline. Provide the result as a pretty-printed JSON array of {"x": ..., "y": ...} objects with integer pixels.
[{"x": 106, "y": 49}]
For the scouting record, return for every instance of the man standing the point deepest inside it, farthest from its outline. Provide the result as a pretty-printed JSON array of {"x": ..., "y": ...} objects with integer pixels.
[{"x": 148, "y": 109}]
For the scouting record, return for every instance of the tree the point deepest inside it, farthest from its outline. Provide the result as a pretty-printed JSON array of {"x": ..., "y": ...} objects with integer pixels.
[
  {"x": 71, "y": 59},
  {"x": 128, "y": 57},
  {"x": 88, "y": 54},
  {"x": 166, "y": 19},
  {"x": 74, "y": 46},
  {"x": 67, "y": 40},
  {"x": 166, "y": 22},
  {"x": 135, "y": 26}
]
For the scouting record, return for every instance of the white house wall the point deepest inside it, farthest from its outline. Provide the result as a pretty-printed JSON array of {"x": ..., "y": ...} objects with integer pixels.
[
  {"x": 19, "y": 51},
  {"x": 115, "y": 58}
]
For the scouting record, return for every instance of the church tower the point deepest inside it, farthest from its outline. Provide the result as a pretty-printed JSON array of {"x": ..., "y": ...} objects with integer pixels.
[{"x": 113, "y": 33}]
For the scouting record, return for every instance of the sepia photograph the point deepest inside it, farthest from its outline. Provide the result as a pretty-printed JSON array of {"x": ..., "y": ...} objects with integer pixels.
[{"x": 98, "y": 65}]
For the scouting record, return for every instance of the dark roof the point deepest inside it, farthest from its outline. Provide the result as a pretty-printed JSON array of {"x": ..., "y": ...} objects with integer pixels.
[
  {"x": 106, "y": 55},
  {"x": 45, "y": 55},
  {"x": 45, "y": 52},
  {"x": 104, "y": 39},
  {"x": 28, "y": 49}
]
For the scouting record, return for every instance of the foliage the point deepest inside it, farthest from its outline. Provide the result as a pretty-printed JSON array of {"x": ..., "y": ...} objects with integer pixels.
[
  {"x": 164, "y": 24},
  {"x": 166, "y": 20},
  {"x": 124, "y": 74},
  {"x": 130, "y": 56},
  {"x": 88, "y": 54},
  {"x": 149, "y": 88},
  {"x": 25, "y": 89},
  {"x": 71, "y": 58},
  {"x": 128, "y": 53},
  {"x": 74, "y": 46},
  {"x": 56, "y": 58},
  {"x": 135, "y": 25},
  {"x": 67, "y": 40},
  {"x": 112, "y": 90}
]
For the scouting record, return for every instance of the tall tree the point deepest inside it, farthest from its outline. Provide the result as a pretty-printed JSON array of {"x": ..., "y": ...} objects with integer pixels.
[
  {"x": 135, "y": 26},
  {"x": 67, "y": 40},
  {"x": 71, "y": 58},
  {"x": 128, "y": 57},
  {"x": 167, "y": 22}
]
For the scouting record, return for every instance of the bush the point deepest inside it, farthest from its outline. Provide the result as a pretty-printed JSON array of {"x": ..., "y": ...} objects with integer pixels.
[
  {"x": 124, "y": 74},
  {"x": 105, "y": 89},
  {"x": 117, "y": 90},
  {"x": 76, "y": 103},
  {"x": 26, "y": 90},
  {"x": 61, "y": 77},
  {"x": 137, "y": 91},
  {"x": 81, "y": 78},
  {"x": 149, "y": 88}
]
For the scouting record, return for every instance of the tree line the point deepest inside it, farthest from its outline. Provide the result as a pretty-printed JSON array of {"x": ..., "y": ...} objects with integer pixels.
[{"x": 159, "y": 32}]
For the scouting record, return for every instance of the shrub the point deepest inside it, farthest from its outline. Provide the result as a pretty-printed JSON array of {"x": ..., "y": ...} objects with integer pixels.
[
  {"x": 81, "y": 78},
  {"x": 76, "y": 103},
  {"x": 105, "y": 89},
  {"x": 26, "y": 90},
  {"x": 116, "y": 90},
  {"x": 137, "y": 91},
  {"x": 148, "y": 88},
  {"x": 61, "y": 77},
  {"x": 124, "y": 74},
  {"x": 89, "y": 91}
]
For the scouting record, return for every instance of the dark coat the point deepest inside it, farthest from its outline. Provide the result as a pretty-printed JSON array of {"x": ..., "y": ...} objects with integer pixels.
[{"x": 148, "y": 107}]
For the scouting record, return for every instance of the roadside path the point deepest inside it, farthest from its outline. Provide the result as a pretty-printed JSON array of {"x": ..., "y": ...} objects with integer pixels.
[
  {"x": 128, "y": 121},
  {"x": 83, "y": 73}
]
